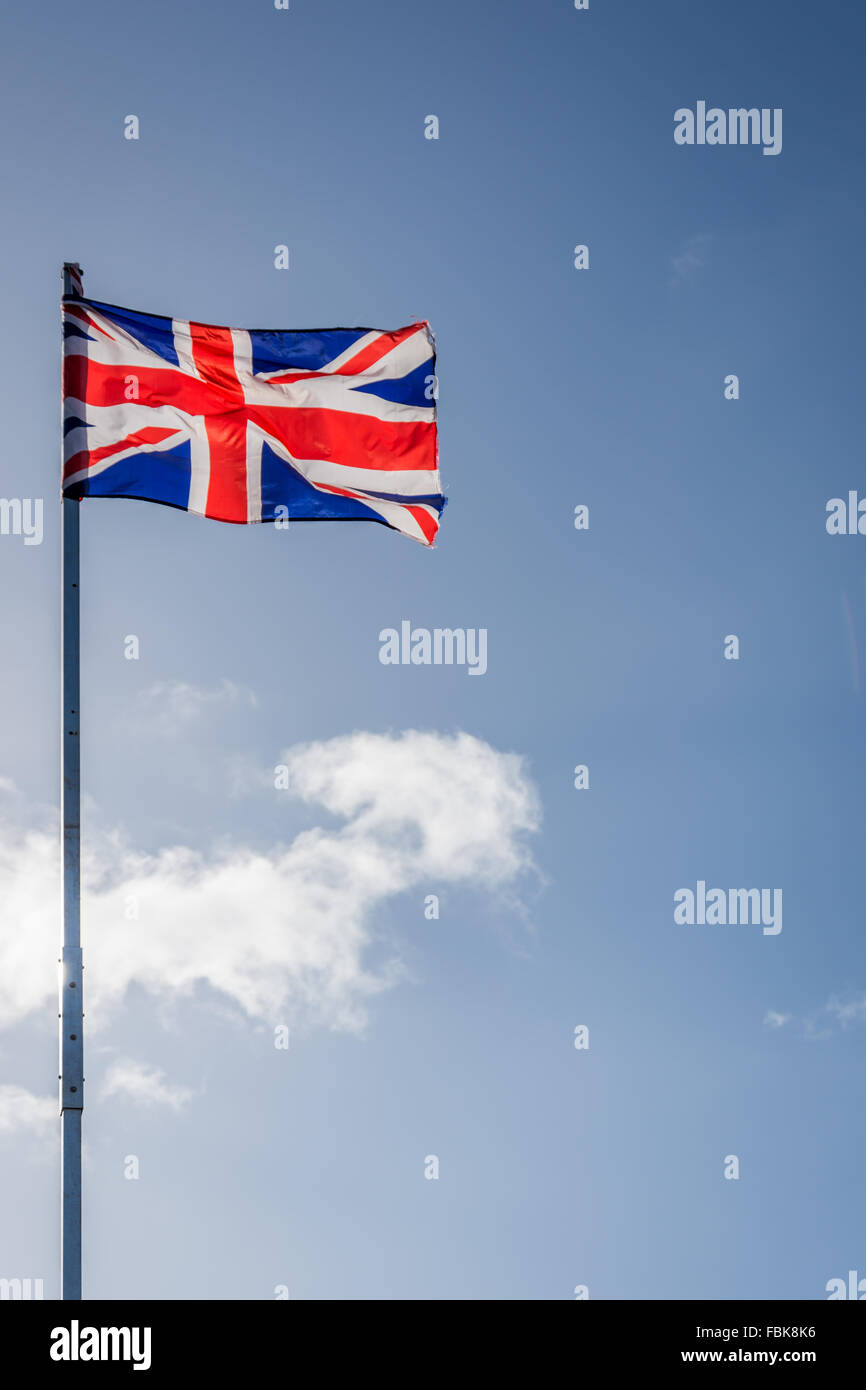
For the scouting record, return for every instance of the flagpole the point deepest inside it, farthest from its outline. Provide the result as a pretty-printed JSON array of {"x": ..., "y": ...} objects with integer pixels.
[{"x": 71, "y": 1013}]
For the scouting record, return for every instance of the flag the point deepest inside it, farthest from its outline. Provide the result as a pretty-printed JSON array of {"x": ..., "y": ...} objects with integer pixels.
[{"x": 333, "y": 424}]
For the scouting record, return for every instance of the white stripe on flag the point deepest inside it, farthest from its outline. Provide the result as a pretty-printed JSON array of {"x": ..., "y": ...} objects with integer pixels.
[
  {"x": 183, "y": 347},
  {"x": 255, "y": 439},
  {"x": 199, "y": 472}
]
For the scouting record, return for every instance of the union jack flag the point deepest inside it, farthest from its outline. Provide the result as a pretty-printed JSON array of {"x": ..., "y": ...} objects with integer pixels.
[{"x": 252, "y": 425}]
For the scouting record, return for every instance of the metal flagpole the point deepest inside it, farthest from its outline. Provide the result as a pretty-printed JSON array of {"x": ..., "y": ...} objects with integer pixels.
[{"x": 71, "y": 1001}]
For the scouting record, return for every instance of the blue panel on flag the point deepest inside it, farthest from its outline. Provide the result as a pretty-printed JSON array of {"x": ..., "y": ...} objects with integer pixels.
[
  {"x": 273, "y": 349},
  {"x": 283, "y": 486},
  {"x": 408, "y": 390},
  {"x": 158, "y": 476},
  {"x": 77, "y": 330},
  {"x": 151, "y": 329}
]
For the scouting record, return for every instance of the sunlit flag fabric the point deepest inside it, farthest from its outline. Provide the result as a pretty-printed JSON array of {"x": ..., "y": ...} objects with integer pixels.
[{"x": 334, "y": 424}]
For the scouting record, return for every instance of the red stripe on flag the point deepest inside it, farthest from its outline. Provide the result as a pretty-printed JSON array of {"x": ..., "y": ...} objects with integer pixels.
[
  {"x": 227, "y": 489},
  {"x": 98, "y": 384},
  {"x": 213, "y": 352},
  {"x": 429, "y": 524},
  {"x": 356, "y": 441}
]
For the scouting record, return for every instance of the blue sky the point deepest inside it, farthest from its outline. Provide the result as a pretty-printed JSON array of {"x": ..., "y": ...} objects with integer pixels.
[{"x": 558, "y": 1167}]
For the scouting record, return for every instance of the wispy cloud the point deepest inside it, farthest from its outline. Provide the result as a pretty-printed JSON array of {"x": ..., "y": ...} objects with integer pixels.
[
  {"x": 690, "y": 258},
  {"x": 289, "y": 932},
  {"x": 169, "y": 708},
  {"x": 836, "y": 1014},
  {"x": 848, "y": 1011},
  {"x": 773, "y": 1019},
  {"x": 145, "y": 1085},
  {"x": 23, "y": 1113}
]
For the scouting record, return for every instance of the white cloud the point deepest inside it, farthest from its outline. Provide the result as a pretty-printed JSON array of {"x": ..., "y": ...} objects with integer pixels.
[
  {"x": 289, "y": 931},
  {"x": 22, "y": 1112},
  {"x": 144, "y": 1085},
  {"x": 854, "y": 1011},
  {"x": 168, "y": 708},
  {"x": 772, "y": 1019}
]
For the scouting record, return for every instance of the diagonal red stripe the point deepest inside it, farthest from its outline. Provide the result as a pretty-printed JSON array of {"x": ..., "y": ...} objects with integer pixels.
[
  {"x": 376, "y": 350},
  {"x": 151, "y": 434},
  {"x": 74, "y": 311}
]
